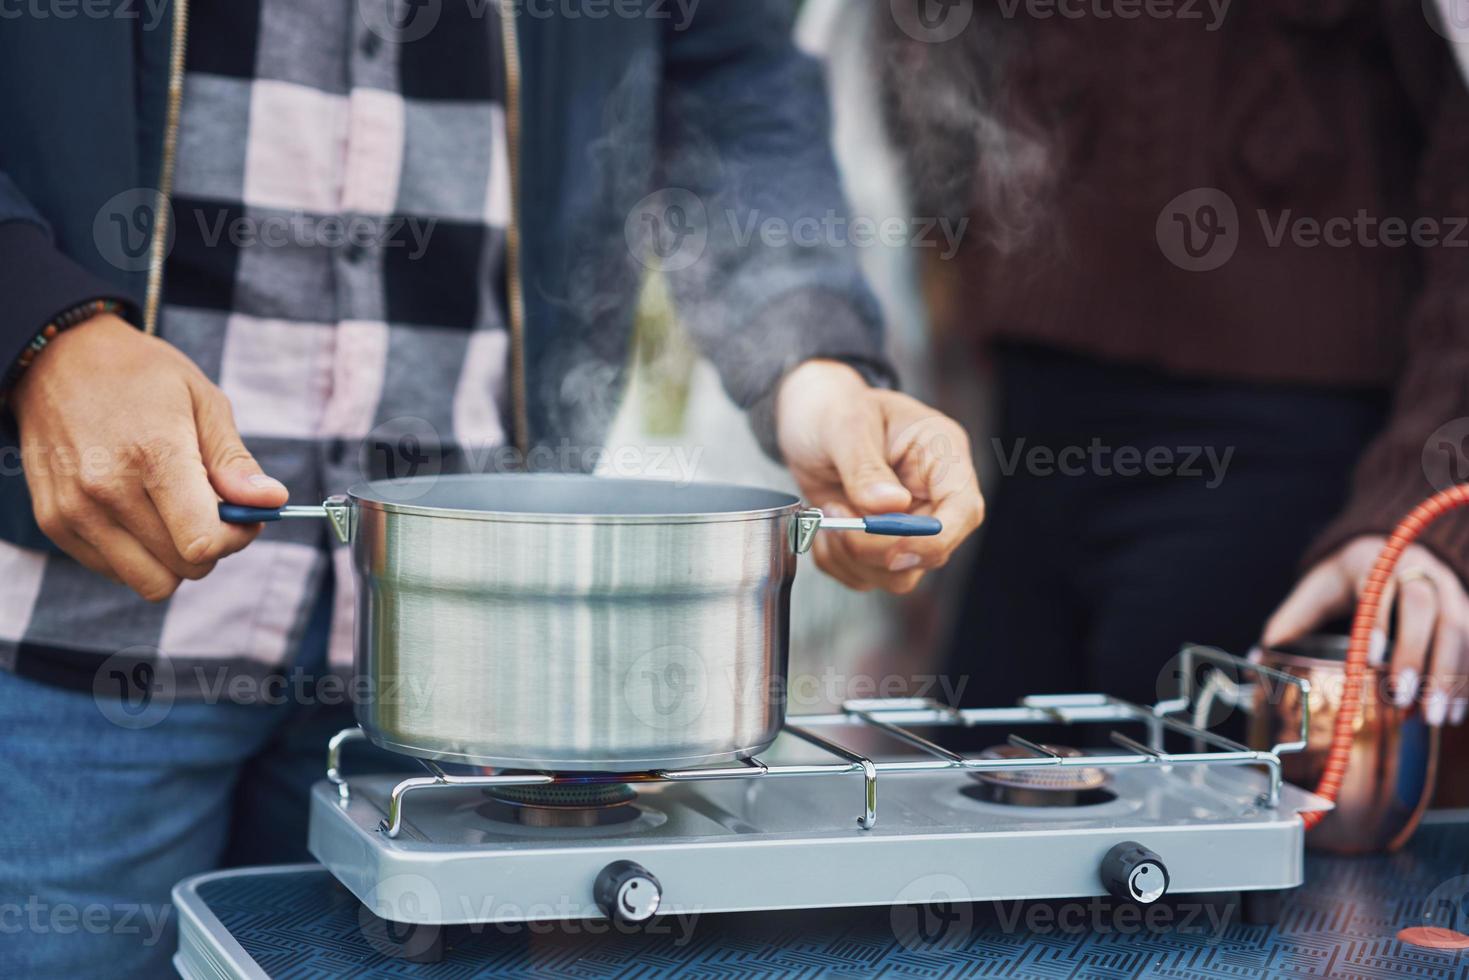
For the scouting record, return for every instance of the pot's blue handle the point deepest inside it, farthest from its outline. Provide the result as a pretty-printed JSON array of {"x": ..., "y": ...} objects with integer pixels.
[
  {"x": 903, "y": 525},
  {"x": 236, "y": 514},
  {"x": 337, "y": 510}
]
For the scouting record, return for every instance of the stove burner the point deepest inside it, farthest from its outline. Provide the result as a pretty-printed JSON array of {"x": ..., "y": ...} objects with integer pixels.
[
  {"x": 562, "y": 804},
  {"x": 1042, "y": 785}
]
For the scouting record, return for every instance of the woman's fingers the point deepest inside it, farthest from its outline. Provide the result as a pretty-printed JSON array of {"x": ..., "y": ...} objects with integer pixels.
[
  {"x": 1427, "y": 606},
  {"x": 1445, "y": 697},
  {"x": 1417, "y": 618},
  {"x": 1325, "y": 592},
  {"x": 1432, "y": 639}
]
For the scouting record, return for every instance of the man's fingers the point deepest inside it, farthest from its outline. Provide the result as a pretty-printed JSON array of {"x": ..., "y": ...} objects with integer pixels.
[
  {"x": 858, "y": 452},
  {"x": 1323, "y": 593},
  {"x": 49, "y": 520},
  {"x": 960, "y": 513},
  {"x": 189, "y": 469},
  {"x": 833, "y": 553},
  {"x": 104, "y": 390},
  {"x": 123, "y": 500},
  {"x": 960, "y": 508},
  {"x": 1417, "y": 616},
  {"x": 888, "y": 454},
  {"x": 232, "y": 471},
  {"x": 868, "y": 550},
  {"x": 831, "y": 561},
  {"x": 84, "y": 554},
  {"x": 932, "y": 450},
  {"x": 129, "y": 561},
  {"x": 876, "y": 558},
  {"x": 846, "y": 568},
  {"x": 176, "y": 483},
  {"x": 936, "y": 464},
  {"x": 134, "y": 510},
  {"x": 133, "y": 563}
]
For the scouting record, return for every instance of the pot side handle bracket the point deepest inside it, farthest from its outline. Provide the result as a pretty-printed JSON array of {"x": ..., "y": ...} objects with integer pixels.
[
  {"x": 811, "y": 520},
  {"x": 337, "y": 510},
  {"x": 803, "y": 530}
]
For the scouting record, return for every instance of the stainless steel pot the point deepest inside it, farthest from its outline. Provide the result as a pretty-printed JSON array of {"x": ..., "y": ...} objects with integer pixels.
[{"x": 571, "y": 623}]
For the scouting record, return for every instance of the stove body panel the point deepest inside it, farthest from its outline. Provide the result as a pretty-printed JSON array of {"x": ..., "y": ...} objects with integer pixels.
[{"x": 771, "y": 844}]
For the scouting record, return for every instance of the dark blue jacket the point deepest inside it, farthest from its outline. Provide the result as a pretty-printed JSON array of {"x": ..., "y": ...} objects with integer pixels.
[{"x": 720, "y": 105}]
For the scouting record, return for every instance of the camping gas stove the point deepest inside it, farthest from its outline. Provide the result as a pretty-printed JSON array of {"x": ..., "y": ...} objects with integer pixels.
[{"x": 858, "y": 807}]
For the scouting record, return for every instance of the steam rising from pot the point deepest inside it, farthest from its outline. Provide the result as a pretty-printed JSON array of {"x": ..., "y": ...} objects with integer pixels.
[{"x": 967, "y": 145}]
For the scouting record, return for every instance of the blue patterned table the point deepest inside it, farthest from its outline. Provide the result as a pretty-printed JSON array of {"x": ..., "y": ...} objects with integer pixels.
[{"x": 301, "y": 924}]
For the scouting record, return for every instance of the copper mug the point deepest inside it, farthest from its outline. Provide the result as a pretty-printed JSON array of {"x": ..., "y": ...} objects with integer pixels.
[{"x": 1394, "y": 758}]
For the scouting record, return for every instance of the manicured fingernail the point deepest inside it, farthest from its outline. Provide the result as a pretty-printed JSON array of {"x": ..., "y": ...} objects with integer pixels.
[
  {"x": 262, "y": 482},
  {"x": 1377, "y": 648},
  {"x": 1457, "y": 710},
  {"x": 1405, "y": 689},
  {"x": 1436, "y": 708},
  {"x": 902, "y": 563}
]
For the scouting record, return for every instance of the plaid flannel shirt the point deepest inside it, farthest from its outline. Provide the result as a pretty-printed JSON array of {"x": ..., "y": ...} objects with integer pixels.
[{"x": 339, "y": 212}]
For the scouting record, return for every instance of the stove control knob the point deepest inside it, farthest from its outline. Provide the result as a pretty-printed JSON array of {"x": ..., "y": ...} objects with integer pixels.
[
  {"x": 627, "y": 892},
  {"x": 1133, "y": 873}
]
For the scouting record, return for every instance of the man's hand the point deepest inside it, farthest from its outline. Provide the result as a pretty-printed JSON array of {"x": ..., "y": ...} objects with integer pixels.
[
  {"x": 1429, "y": 656},
  {"x": 857, "y": 450},
  {"x": 128, "y": 449}
]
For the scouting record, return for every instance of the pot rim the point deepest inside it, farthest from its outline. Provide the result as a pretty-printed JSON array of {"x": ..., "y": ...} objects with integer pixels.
[
  {"x": 1276, "y": 659},
  {"x": 378, "y": 495}
]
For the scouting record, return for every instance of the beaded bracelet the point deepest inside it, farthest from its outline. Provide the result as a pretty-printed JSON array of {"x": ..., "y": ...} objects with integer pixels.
[{"x": 67, "y": 320}]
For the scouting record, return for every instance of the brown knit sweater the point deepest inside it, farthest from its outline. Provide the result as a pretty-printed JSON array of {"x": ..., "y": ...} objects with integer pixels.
[{"x": 1086, "y": 128}]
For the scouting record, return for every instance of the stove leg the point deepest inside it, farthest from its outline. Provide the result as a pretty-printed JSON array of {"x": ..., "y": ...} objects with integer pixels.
[
  {"x": 412, "y": 942},
  {"x": 1262, "y": 908}
]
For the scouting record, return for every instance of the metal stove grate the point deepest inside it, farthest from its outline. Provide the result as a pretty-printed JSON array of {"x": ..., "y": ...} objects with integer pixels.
[{"x": 890, "y": 715}]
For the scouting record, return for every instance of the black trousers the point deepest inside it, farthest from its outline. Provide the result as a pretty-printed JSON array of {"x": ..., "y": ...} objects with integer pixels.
[{"x": 1136, "y": 511}]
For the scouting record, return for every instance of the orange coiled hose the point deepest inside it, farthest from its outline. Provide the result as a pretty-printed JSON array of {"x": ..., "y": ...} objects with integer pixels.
[{"x": 1362, "y": 623}]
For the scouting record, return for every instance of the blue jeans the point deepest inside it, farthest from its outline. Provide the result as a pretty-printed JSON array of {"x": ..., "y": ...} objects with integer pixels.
[{"x": 101, "y": 819}]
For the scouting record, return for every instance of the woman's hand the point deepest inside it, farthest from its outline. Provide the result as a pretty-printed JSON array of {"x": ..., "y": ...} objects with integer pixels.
[
  {"x": 857, "y": 450},
  {"x": 1432, "y": 645}
]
